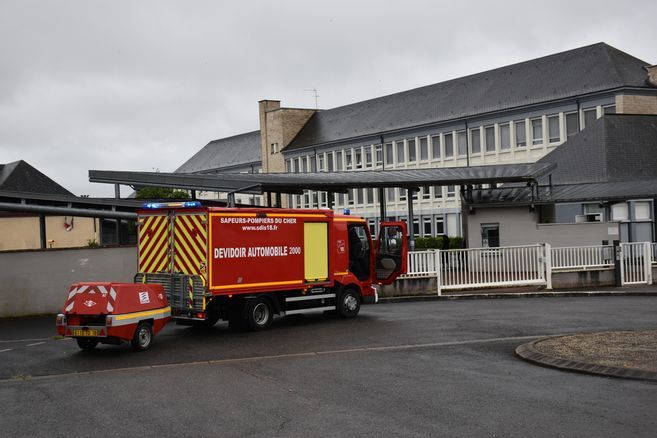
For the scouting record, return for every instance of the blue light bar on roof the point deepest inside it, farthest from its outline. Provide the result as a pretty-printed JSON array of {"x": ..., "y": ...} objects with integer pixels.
[{"x": 187, "y": 204}]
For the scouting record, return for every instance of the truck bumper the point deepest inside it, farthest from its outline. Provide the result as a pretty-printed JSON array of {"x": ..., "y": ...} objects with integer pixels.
[{"x": 371, "y": 299}]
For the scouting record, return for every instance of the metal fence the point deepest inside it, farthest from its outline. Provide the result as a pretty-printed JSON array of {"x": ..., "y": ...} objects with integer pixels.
[
  {"x": 527, "y": 265},
  {"x": 582, "y": 257}
]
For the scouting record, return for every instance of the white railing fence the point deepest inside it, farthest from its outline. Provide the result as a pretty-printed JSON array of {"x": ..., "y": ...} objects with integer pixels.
[
  {"x": 582, "y": 257},
  {"x": 527, "y": 265}
]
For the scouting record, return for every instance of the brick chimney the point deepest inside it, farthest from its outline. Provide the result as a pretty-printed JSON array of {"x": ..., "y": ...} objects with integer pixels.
[
  {"x": 278, "y": 127},
  {"x": 651, "y": 79}
]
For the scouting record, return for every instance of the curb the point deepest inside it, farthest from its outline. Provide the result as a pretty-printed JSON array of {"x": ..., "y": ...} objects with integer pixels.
[
  {"x": 528, "y": 353},
  {"x": 411, "y": 298}
]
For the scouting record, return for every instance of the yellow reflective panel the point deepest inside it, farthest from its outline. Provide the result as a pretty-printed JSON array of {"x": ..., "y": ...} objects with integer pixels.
[{"x": 315, "y": 255}]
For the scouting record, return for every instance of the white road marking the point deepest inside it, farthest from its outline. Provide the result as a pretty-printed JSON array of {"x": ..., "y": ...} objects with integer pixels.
[
  {"x": 13, "y": 341},
  {"x": 36, "y": 343},
  {"x": 6, "y": 349}
]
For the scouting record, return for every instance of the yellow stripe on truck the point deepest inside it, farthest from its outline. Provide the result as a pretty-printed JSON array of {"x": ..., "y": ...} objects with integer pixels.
[
  {"x": 142, "y": 314},
  {"x": 273, "y": 283}
]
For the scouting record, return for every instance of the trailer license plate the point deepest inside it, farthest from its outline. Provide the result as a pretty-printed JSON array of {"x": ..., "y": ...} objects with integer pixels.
[{"x": 80, "y": 332}]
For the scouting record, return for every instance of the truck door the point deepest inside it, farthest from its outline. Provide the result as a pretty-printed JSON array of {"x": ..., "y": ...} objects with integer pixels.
[
  {"x": 391, "y": 252},
  {"x": 190, "y": 243},
  {"x": 154, "y": 242}
]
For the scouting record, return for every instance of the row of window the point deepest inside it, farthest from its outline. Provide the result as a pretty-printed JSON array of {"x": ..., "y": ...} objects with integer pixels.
[
  {"x": 369, "y": 196},
  {"x": 431, "y": 225},
  {"x": 489, "y": 139}
]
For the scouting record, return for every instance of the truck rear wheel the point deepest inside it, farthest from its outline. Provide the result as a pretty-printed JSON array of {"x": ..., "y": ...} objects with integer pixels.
[
  {"x": 349, "y": 303},
  {"x": 87, "y": 344},
  {"x": 259, "y": 313},
  {"x": 143, "y": 337}
]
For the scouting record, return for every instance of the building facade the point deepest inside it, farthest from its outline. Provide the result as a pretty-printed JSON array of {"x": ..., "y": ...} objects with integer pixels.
[{"x": 514, "y": 114}]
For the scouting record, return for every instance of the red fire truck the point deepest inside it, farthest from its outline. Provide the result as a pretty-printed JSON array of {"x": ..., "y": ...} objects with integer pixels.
[
  {"x": 244, "y": 265},
  {"x": 247, "y": 264}
]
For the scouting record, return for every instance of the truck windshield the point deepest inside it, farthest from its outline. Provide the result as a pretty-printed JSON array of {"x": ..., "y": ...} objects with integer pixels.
[{"x": 359, "y": 251}]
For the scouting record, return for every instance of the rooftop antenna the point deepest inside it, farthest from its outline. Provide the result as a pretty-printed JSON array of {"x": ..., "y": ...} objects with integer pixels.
[{"x": 314, "y": 90}]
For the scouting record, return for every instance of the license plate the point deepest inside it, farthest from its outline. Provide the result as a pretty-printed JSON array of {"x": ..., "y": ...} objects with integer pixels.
[{"x": 81, "y": 332}]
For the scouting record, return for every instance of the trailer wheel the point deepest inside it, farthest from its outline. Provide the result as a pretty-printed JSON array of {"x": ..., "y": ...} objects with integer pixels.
[
  {"x": 349, "y": 303},
  {"x": 87, "y": 344},
  {"x": 143, "y": 337},
  {"x": 259, "y": 313}
]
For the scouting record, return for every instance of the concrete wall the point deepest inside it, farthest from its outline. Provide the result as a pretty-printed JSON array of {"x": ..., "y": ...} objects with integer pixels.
[
  {"x": 37, "y": 282},
  {"x": 519, "y": 226},
  {"x": 22, "y": 232}
]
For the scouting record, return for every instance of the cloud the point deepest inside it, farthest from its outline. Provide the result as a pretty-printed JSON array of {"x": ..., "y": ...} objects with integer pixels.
[{"x": 130, "y": 85}]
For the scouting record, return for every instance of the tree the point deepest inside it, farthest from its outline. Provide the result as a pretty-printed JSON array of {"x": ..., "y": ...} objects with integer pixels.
[{"x": 161, "y": 193}]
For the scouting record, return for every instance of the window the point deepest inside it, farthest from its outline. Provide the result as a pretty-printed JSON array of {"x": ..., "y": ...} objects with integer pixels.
[
  {"x": 368, "y": 156},
  {"x": 288, "y": 165},
  {"x": 451, "y": 191},
  {"x": 304, "y": 164},
  {"x": 475, "y": 141},
  {"x": 463, "y": 143},
  {"x": 416, "y": 227},
  {"x": 619, "y": 212},
  {"x": 369, "y": 195},
  {"x": 642, "y": 211},
  {"x": 390, "y": 158},
  {"x": 340, "y": 200},
  {"x": 414, "y": 195},
  {"x": 426, "y": 192},
  {"x": 322, "y": 199},
  {"x": 358, "y": 158},
  {"x": 435, "y": 146},
  {"x": 358, "y": 196},
  {"x": 438, "y": 192},
  {"x": 347, "y": 159},
  {"x": 402, "y": 194},
  {"x": 313, "y": 163},
  {"x": 274, "y": 148},
  {"x": 589, "y": 117},
  {"x": 537, "y": 131},
  {"x": 424, "y": 149},
  {"x": 553, "y": 129},
  {"x": 426, "y": 226},
  {"x": 572, "y": 124},
  {"x": 338, "y": 161},
  {"x": 391, "y": 194},
  {"x": 490, "y": 235},
  {"x": 449, "y": 145},
  {"x": 329, "y": 161},
  {"x": 440, "y": 225},
  {"x": 490, "y": 138},
  {"x": 321, "y": 163},
  {"x": 521, "y": 134},
  {"x": 350, "y": 196},
  {"x": 400, "y": 151},
  {"x": 505, "y": 136},
  {"x": 378, "y": 154},
  {"x": 412, "y": 152},
  {"x": 315, "y": 203}
]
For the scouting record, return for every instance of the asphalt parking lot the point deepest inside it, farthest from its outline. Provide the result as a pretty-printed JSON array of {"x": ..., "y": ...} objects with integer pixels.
[{"x": 443, "y": 368}]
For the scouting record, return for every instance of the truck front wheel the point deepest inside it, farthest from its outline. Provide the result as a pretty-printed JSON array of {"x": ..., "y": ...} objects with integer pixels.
[
  {"x": 349, "y": 303},
  {"x": 143, "y": 337},
  {"x": 259, "y": 313},
  {"x": 87, "y": 344}
]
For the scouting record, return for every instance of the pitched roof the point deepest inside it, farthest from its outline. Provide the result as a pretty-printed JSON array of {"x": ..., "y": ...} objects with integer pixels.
[
  {"x": 616, "y": 147},
  {"x": 19, "y": 176},
  {"x": 233, "y": 151},
  {"x": 575, "y": 72}
]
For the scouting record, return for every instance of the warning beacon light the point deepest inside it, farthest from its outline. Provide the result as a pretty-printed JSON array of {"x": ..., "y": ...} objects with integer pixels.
[{"x": 187, "y": 204}]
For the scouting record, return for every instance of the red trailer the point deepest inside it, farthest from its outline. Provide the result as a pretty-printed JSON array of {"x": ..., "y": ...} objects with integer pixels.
[
  {"x": 114, "y": 313},
  {"x": 246, "y": 264}
]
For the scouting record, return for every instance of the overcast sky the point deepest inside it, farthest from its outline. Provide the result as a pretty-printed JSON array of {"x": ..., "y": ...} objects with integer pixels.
[{"x": 143, "y": 85}]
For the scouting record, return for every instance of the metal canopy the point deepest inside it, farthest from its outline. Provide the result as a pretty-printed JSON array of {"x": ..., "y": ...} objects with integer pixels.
[{"x": 325, "y": 181}]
